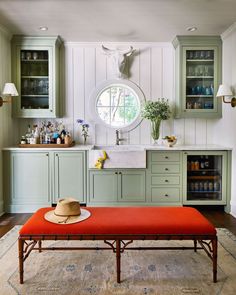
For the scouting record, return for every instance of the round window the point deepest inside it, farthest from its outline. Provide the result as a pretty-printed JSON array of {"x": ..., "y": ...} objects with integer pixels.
[{"x": 118, "y": 104}]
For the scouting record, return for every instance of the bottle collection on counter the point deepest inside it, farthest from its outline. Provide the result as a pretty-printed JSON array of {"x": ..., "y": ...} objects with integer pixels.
[{"x": 48, "y": 133}]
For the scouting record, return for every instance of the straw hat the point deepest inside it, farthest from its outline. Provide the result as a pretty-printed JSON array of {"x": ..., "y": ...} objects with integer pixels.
[{"x": 67, "y": 211}]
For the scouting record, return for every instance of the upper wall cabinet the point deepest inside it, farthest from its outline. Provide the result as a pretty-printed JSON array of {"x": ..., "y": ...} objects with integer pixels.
[
  {"x": 35, "y": 72},
  {"x": 198, "y": 75}
]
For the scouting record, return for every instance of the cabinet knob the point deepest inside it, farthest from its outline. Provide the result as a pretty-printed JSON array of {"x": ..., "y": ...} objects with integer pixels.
[
  {"x": 166, "y": 180},
  {"x": 166, "y": 195},
  {"x": 166, "y": 157},
  {"x": 120, "y": 173},
  {"x": 166, "y": 169},
  {"x": 116, "y": 172},
  {"x": 47, "y": 155},
  {"x": 50, "y": 110},
  {"x": 56, "y": 155}
]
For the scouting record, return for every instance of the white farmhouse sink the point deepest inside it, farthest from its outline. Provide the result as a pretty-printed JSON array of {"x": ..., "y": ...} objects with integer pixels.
[
  {"x": 119, "y": 147},
  {"x": 120, "y": 156}
]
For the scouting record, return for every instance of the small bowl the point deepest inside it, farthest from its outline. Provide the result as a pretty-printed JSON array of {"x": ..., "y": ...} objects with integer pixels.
[{"x": 170, "y": 143}]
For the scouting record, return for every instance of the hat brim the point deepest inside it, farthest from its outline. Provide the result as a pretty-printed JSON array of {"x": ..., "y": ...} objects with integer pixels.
[{"x": 51, "y": 217}]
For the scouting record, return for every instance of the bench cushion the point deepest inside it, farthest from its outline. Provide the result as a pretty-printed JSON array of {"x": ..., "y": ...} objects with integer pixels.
[{"x": 125, "y": 220}]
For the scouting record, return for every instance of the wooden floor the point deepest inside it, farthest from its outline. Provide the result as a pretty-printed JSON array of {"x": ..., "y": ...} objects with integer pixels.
[{"x": 216, "y": 215}]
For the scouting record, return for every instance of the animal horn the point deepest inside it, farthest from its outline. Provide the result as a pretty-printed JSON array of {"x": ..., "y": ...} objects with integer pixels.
[
  {"x": 107, "y": 50},
  {"x": 128, "y": 52}
]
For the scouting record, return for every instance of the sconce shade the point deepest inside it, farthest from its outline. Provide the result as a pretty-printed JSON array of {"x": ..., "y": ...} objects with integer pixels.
[
  {"x": 224, "y": 90},
  {"x": 10, "y": 89}
]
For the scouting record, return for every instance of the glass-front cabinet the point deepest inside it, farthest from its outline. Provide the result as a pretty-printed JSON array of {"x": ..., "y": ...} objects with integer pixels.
[
  {"x": 205, "y": 176},
  {"x": 198, "y": 75},
  {"x": 36, "y": 75}
]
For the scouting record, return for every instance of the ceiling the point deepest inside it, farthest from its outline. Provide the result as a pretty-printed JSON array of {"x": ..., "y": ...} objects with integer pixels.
[{"x": 117, "y": 20}]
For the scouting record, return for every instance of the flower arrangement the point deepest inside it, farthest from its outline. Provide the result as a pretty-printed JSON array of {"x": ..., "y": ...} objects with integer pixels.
[
  {"x": 156, "y": 111},
  {"x": 85, "y": 127}
]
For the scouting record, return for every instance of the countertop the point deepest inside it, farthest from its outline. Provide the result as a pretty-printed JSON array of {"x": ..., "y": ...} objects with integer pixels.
[{"x": 177, "y": 147}]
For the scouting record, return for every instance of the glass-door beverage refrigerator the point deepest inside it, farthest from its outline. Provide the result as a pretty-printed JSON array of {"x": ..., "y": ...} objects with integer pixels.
[{"x": 205, "y": 178}]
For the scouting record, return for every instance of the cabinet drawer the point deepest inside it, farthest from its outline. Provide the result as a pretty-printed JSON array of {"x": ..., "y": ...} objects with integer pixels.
[
  {"x": 165, "y": 180},
  {"x": 165, "y": 157},
  {"x": 165, "y": 195},
  {"x": 165, "y": 168}
]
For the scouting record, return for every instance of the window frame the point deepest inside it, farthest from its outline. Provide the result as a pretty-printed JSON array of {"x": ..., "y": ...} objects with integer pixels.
[{"x": 107, "y": 84}]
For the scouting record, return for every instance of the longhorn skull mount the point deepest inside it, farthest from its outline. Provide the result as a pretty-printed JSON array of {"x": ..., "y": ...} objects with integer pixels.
[{"x": 119, "y": 58}]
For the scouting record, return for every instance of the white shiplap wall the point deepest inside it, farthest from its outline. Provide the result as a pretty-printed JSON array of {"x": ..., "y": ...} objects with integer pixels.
[
  {"x": 152, "y": 68},
  {"x": 8, "y": 129}
]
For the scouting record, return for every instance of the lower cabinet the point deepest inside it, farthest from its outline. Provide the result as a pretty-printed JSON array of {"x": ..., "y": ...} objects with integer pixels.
[
  {"x": 116, "y": 186},
  {"x": 34, "y": 179},
  {"x": 69, "y": 176},
  {"x": 26, "y": 181},
  {"x": 164, "y": 178}
]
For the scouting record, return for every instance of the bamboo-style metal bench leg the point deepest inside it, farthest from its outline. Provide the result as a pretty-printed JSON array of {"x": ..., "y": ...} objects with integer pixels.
[
  {"x": 21, "y": 260},
  {"x": 118, "y": 260},
  {"x": 40, "y": 246},
  {"x": 214, "y": 259},
  {"x": 195, "y": 245}
]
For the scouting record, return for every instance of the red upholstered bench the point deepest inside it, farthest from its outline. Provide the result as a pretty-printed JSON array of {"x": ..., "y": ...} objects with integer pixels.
[{"x": 118, "y": 227}]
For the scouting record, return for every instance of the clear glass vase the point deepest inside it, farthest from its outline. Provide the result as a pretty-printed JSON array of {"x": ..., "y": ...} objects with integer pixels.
[{"x": 155, "y": 124}]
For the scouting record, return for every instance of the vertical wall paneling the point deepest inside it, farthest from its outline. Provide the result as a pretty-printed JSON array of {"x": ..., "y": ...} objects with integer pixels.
[
  {"x": 8, "y": 130},
  {"x": 110, "y": 74},
  {"x": 89, "y": 84},
  {"x": 101, "y": 75},
  {"x": 179, "y": 130},
  {"x": 145, "y": 84},
  {"x": 201, "y": 134},
  {"x": 133, "y": 137},
  {"x": 78, "y": 83},
  {"x": 190, "y": 131},
  {"x": 168, "y": 83}
]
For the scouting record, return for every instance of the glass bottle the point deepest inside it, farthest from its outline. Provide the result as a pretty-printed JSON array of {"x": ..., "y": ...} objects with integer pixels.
[
  {"x": 196, "y": 165},
  {"x": 207, "y": 163},
  {"x": 202, "y": 163},
  {"x": 36, "y": 135},
  {"x": 28, "y": 135}
]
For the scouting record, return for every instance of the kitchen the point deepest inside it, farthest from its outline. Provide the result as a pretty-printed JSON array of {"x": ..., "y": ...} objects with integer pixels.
[{"x": 168, "y": 41}]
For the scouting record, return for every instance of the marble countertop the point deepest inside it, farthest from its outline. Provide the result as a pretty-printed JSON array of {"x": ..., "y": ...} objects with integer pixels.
[
  {"x": 77, "y": 147},
  {"x": 177, "y": 147}
]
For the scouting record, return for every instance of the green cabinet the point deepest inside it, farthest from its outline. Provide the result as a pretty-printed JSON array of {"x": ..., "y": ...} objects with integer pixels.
[
  {"x": 35, "y": 179},
  {"x": 103, "y": 186},
  {"x": 26, "y": 181},
  {"x": 69, "y": 176},
  {"x": 198, "y": 75},
  {"x": 116, "y": 186},
  {"x": 164, "y": 178},
  {"x": 35, "y": 72}
]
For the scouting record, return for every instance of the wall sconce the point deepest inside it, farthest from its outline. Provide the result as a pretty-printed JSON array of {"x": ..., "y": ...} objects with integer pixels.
[
  {"x": 224, "y": 90},
  {"x": 9, "y": 90}
]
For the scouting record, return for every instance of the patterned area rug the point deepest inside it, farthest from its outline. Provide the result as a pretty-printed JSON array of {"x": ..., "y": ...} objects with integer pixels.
[{"x": 93, "y": 272}]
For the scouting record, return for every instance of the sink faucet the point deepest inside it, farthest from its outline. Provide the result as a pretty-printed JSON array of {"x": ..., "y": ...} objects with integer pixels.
[{"x": 118, "y": 139}]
